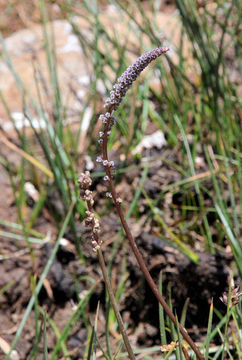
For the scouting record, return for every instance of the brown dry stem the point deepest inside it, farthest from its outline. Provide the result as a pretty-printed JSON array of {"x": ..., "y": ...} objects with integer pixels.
[{"x": 133, "y": 245}]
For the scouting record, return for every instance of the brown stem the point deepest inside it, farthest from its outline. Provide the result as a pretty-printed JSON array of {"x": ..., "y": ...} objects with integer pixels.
[
  {"x": 138, "y": 255},
  {"x": 114, "y": 304},
  {"x": 85, "y": 182}
]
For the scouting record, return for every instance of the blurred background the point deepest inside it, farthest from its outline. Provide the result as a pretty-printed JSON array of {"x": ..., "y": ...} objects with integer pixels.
[{"x": 177, "y": 152}]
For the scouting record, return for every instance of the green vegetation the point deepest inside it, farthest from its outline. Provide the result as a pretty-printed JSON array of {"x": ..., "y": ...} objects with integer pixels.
[{"x": 198, "y": 110}]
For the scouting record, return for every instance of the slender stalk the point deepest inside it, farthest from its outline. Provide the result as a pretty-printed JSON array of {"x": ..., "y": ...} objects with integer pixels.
[
  {"x": 85, "y": 182},
  {"x": 145, "y": 270},
  {"x": 114, "y": 304},
  {"x": 116, "y": 95}
]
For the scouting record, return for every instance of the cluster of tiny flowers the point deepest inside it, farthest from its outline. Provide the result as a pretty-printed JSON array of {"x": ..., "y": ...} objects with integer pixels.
[
  {"x": 88, "y": 197},
  {"x": 234, "y": 297},
  {"x": 89, "y": 218},
  {"x": 121, "y": 87},
  {"x": 108, "y": 119},
  {"x": 96, "y": 226},
  {"x": 116, "y": 95},
  {"x": 130, "y": 75},
  {"x": 84, "y": 182},
  {"x": 95, "y": 245},
  {"x": 108, "y": 163}
]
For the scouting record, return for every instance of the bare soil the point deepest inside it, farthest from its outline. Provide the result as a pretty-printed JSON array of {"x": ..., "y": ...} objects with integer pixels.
[{"x": 198, "y": 283}]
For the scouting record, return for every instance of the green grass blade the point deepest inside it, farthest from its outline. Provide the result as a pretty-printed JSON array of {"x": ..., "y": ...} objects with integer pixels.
[
  {"x": 40, "y": 283},
  {"x": 209, "y": 328},
  {"x": 162, "y": 316}
]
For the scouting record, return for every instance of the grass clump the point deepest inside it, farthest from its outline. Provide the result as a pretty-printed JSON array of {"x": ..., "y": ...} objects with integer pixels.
[{"x": 195, "y": 103}]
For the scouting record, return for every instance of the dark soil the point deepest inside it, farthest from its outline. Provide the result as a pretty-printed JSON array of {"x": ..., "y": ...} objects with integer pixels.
[{"x": 198, "y": 283}]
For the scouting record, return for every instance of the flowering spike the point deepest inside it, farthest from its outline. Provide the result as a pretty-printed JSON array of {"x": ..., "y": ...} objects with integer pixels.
[
  {"x": 117, "y": 93},
  {"x": 130, "y": 75},
  {"x": 85, "y": 180}
]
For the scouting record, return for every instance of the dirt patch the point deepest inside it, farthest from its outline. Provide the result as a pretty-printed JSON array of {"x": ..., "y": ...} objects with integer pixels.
[
  {"x": 66, "y": 281},
  {"x": 200, "y": 283}
]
